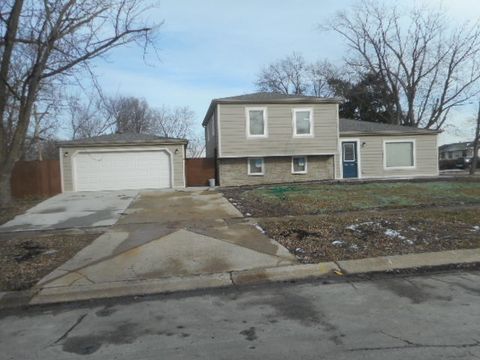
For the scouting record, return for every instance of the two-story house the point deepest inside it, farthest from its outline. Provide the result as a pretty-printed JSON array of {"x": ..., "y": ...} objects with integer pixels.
[{"x": 274, "y": 138}]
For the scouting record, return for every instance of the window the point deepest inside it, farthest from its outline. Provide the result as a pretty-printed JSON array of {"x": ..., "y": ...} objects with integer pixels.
[
  {"x": 256, "y": 166},
  {"x": 256, "y": 122},
  {"x": 349, "y": 152},
  {"x": 299, "y": 165},
  {"x": 302, "y": 122},
  {"x": 399, "y": 154}
]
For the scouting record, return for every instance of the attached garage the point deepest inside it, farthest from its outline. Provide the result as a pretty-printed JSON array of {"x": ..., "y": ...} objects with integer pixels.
[{"x": 122, "y": 161}]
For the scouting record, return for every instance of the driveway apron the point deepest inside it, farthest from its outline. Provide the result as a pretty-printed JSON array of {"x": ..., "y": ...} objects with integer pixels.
[{"x": 172, "y": 233}]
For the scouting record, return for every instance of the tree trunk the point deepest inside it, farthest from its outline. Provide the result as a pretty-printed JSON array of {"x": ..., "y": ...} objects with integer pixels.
[
  {"x": 5, "y": 187},
  {"x": 473, "y": 166}
]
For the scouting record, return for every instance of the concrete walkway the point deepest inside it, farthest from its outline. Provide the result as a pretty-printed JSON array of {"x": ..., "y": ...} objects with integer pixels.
[
  {"x": 171, "y": 234},
  {"x": 73, "y": 210}
]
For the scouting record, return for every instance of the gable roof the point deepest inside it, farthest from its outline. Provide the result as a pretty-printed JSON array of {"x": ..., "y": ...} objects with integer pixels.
[
  {"x": 122, "y": 139},
  {"x": 359, "y": 127},
  {"x": 267, "y": 98}
]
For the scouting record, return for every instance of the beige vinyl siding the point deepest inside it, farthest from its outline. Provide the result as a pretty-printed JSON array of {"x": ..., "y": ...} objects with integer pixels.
[
  {"x": 211, "y": 139},
  {"x": 372, "y": 156},
  {"x": 67, "y": 153},
  {"x": 280, "y": 141}
]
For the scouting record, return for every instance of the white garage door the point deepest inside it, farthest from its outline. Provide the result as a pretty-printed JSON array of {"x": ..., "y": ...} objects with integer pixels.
[{"x": 120, "y": 170}]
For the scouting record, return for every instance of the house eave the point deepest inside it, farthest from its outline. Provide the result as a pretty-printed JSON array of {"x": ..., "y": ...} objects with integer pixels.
[
  {"x": 66, "y": 144},
  {"x": 391, "y": 133}
]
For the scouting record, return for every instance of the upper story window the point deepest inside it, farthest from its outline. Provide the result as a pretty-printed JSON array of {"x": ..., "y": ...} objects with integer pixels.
[
  {"x": 256, "y": 121},
  {"x": 399, "y": 154},
  {"x": 302, "y": 122}
]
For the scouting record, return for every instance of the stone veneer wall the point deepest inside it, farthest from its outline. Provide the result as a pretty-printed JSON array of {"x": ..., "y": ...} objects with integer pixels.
[{"x": 234, "y": 171}]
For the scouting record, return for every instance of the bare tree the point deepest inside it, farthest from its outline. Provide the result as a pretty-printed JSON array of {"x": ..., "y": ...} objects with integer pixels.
[
  {"x": 476, "y": 140},
  {"x": 88, "y": 116},
  {"x": 292, "y": 75},
  {"x": 42, "y": 42},
  {"x": 43, "y": 127},
  {"x": 286, "y": 76},
  {"x": 178, "y": 123},
  {"x": 427, "y": 65},
  {"x": 319, "y": 75},
  {"x": 130, "y": 114}
]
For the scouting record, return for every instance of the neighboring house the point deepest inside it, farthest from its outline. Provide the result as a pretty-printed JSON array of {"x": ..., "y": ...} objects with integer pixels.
[
  {"x": 456, "y": 150},
  {"x": 122, "y": 161},
  {"x": 271, "y": 138}
]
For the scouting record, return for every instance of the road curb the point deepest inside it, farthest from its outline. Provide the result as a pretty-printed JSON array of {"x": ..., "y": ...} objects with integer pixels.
[{"x": 384, "y": 264}]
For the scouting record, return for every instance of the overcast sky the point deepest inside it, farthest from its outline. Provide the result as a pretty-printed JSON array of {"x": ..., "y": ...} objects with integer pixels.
[{"x": 215, "y": 48}]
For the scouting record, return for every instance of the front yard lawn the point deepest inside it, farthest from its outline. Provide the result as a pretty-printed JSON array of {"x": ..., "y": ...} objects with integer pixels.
[
  {"x": 329, "y": 222},
  {"x": 25, "y": 257},
  {"x": 353, "y": 236},
  {"x": 305, "y": 199}
]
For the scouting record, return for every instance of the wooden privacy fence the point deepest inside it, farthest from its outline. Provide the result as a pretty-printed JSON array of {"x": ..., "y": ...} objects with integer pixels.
[
  {"x": 198, "y": 171},
  {"x": 36, "y": 178}
]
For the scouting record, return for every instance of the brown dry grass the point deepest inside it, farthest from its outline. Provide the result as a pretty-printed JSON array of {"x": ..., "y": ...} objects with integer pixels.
[
  {"x": 17, "y": 207},
  {"x": 375, "y": 233},
  {"x": 26, "y": 258}
]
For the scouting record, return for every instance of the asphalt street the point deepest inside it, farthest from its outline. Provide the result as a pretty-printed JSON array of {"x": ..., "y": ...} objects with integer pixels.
[{"x": 428, "y": 316}]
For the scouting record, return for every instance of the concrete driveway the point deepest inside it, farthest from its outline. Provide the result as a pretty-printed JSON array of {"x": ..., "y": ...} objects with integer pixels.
[
  {"x": 172, "y": 233},
  {"x": 73, "y": 210}
]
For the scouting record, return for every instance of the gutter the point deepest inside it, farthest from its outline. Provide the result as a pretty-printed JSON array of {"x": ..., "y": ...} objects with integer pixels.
[{"x": 131, "y": 143}]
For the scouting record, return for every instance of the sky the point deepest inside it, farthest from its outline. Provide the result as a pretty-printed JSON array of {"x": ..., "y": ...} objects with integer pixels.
[{"x": 216, "y": 48}]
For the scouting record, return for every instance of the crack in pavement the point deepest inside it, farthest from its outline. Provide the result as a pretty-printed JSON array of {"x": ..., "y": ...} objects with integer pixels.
[
  {"x": 414, "y": 345},
  {"x": 66, "y": 333}
]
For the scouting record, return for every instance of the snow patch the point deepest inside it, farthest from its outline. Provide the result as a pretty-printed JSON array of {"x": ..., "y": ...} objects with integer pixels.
[
  {"x": 394, "y": 233},
  {"x": 260, "y": 228}
]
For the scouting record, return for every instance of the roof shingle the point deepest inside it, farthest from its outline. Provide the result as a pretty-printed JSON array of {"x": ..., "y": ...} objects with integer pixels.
[
  {"x": 123, "y": 139},
  {"x": 349, "y": 126}
]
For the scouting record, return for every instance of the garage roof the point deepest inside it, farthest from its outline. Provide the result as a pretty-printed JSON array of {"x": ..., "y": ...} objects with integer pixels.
[
  {"x": 356, "y": 127},
  {"x": 123, "y": 139}
]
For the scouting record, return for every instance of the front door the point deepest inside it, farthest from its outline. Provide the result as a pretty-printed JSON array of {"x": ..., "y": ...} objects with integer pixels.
[{"x": 349, "y": 159}]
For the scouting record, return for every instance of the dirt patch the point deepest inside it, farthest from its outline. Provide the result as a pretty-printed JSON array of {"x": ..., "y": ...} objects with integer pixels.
[
  {"x": 365, "y": 234},
  {"x": 17, "y": 207},
  {"x": 26, "y": 258}
]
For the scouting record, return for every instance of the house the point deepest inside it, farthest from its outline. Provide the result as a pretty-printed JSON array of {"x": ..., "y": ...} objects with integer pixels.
[
  {"x": 456, "y": 150},
  {"x": 273, "y": 138},
  {"x": 122, "y": 161}
]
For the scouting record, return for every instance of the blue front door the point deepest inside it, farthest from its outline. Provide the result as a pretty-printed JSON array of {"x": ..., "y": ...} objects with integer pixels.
[{"x": 349, "y": 159}]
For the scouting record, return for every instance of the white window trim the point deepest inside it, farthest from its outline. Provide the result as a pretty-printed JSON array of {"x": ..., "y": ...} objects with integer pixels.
[
  {"x": 263, "y": 166},
  {"x": 265, "y": 122},
  {"x": 306, "y": 165},
  {"x": 385, "y": 142},
  {"x": 294, "y": 122},
  {"x": 354, "y": 153}
]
